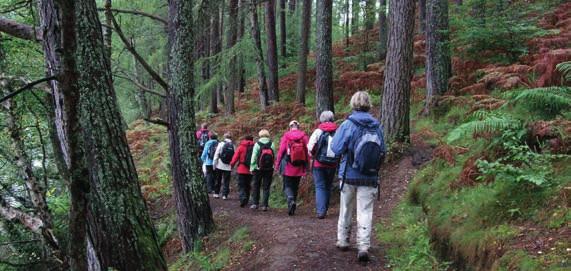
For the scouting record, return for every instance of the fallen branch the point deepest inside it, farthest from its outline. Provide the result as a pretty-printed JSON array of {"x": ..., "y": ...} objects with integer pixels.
[
  {"x": 19, "y": 30},
  {"x": 138, "y": 13},
  {"x": 26, "y": 87},
  {"x": 157, "y": 122},
  {"x": 138, "y": 57}
]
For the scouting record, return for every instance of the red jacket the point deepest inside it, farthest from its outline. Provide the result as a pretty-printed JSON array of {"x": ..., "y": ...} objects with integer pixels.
[
  {"x": 289, "y": 169},
  {"x": 240, "y": 156}
]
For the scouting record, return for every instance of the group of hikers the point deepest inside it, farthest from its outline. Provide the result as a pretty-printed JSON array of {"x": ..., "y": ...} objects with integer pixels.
[{"x": 354, "y": 150}]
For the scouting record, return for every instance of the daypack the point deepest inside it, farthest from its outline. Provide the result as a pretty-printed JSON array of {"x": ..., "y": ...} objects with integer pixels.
[
  {"x": 297, "y": 152},
  {"x": 266, "y": 159},
  {"x": 248, "y": 156},
  {"x": 212, "y": 150},
  {"x": 368, "y": 151},
  {"x": 227, "y": 153},
  {"x": 203, "y": 138},
  {"x": 324, "y": 154}
]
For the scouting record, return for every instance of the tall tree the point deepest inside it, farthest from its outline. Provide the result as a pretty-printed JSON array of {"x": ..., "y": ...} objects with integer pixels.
[
  {"x": 234, "y": 76},
  {"x": 347, "y": 23},
  {"x": 395, "y": 108},
  {"x": 261, "y": 74},
  {"x": 119, "y": 224},
  {"x": 241, "y": 32},
  {"x": 383, "y": 30},
  {"x": 303, "y": 51},
  {"x": 273, "y": 80},
  {"x": 438, "y": 59},
  {"x": 215, "y": 48},
  {"x": 283, "y": 32},
  {"x": 194, "y": 216},
  {"x": 369, "y": 14},
  {"x": 323, "y": 65},
  {"x": 107, "y": 30},
  {"x": 355, "y": 9},
  {"x": 422, "y": 16},
  {"x": 292, "y": 6}
]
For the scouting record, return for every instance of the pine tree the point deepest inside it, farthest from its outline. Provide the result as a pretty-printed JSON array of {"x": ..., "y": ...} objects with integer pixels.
[
  {"x": 261, "y": 74},
  {"x": 395, "y": 108},
  {"x": 369, "y": 14},
  {"x": 383, "y": 30},
  {"x": 273, "y": 80},
  {"x": 324, "y": 68},
  {"x": 422, "y": 16},
  {"x": 234, "y": 74},
  {"x": 355, "y": 9},
  {"x": 283, "y": 32},
  {"x": 303, "y": 51}
]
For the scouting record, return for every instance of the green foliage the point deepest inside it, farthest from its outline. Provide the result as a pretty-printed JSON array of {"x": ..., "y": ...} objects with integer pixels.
[
  {"x": 484, "y": 122},
  {"x": 547, "y": 102},
  {"x": 565, "y": 69}
]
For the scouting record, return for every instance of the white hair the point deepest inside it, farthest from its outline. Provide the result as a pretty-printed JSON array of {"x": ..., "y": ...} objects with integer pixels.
[
  {"x": 361, "y": 101},
  {"x": 326, "y": 116}
]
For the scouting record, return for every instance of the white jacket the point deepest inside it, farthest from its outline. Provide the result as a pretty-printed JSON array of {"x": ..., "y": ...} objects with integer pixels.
[{"x": 218, "y": 164}]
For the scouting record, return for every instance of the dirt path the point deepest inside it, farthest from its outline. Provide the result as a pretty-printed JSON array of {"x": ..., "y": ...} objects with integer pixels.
[{"x": 303, "y": 242}]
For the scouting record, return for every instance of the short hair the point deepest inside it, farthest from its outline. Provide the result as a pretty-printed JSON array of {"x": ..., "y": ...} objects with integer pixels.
[
  {"x": 361, "y": 101},
  {"x": 264, "y": 133},
  {"x": 204, "y": 125},
  {"x": 248, "y": 137},
  {"x": 228, "y": 135},
  {"x": 213, "y": 135},
  {"x": 326, "y": 116}
]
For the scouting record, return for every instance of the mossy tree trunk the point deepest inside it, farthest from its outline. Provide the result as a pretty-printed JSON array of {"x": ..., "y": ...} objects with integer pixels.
[
  {"x": 383, "y": 30},
  {"x": 323, "y": 66},
  {"x": 355, "y": 9},
  {"x": 395, "y": 108},
  {"x": 272, "y": 58},
  {"x": 261, "y": 74},
  {"x": 422, "y": 16},
  {"x": 305, "y": 30},
  {"x": 283, "y": 28},
  {"x": 215, "y": 48},
  {"x": 120, "y": 228},
  {"x": 194, "y": 216}
]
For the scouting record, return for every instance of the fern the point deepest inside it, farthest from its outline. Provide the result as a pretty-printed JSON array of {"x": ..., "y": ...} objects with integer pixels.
[
  {"x": 548, "y": 102},
  {"x": 565, "y": 69},
  {"x": 491, "y": 123}
]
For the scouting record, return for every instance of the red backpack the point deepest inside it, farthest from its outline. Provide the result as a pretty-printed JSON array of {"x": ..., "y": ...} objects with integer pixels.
[
  {"x": 266, "y": 159},
  {"x": 297, "y": 152}
]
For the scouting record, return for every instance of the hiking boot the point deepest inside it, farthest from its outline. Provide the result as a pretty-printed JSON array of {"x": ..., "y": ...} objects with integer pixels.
[
  {"x": 224, "y": 197},
  {"x": 342, "y": 247},
  {"x": 320, "y": 216},
  {"x": 253, "y": 206},
  {"x": 291, "y": 208},
  {"x": 215, "y": 196},
  {"x": 363, "y": 256}
]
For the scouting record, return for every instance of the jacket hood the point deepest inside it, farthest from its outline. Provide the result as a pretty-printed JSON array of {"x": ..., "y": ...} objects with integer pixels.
[
  {"x": 328, "y": 126},
  {"x": 295, "y": 134},
  {"x": 246, "y": 143},
  {"x": 364, "y": 119}
]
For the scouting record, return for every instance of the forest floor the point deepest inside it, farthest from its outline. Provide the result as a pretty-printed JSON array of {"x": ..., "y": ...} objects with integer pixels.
[{"x": 303, "y": 242}]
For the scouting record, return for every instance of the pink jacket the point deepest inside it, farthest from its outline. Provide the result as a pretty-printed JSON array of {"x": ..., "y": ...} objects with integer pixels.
[{"x": 291, "y": 170}]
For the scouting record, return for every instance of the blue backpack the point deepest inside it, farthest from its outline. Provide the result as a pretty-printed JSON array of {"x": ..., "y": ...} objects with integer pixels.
[{"x": 368, "y": 150}]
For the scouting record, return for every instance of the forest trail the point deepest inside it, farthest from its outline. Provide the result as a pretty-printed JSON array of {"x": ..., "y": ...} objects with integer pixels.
[{"x": 303, "y": 242}]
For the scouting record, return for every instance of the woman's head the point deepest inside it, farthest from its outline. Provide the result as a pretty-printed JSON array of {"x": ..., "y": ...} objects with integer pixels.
[
  {"x": 213, "y": 135},
  {"x": 294, "y": 125},
  {"x": 227, "y": 135},
  {"x": 204, "y": 125},
  {"x": 326, "y": 116},
  {"x": 361, "y": 101},
  {"x": 264, "y": 133}
]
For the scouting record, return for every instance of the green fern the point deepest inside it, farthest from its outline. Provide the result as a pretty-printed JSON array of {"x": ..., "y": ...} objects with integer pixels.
[
  {"x": 491, "y": 123},
  {"x": 548, "y": 102},
  {"x": 565, "y": 69}
]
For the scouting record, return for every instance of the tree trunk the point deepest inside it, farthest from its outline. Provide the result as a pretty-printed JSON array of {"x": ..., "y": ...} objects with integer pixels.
[
  {"x": 422, "y": 16},
  {"x": 194, "y": 216},
  {"x": 273, "y": 84},
  {"x": 241, "y": 29},
  {"x": 383, "y": 30},
  {"x": 324, "y": 68},
  {"x": 141, "y": 95},
  {"x": 303, "y": 51},
  {"x": 478, "y": 11},
  {"x": 438, "y": 59},
  {"x": 292, "y": 6},
  {"x": 283, "y": 33},
  {"x": 215, "y": 48},
  {"x": 119, "y": 224},
  {"x": 395, "y": 108},
  {"x": 107, "y": 31},
  {"x": 347, "y": 23},
  {"x": 355, "y": 9},
  {"x": 255, "y": 26},
  {"x": 234, "y": 83},
  {"x": 369, "y": 14}
]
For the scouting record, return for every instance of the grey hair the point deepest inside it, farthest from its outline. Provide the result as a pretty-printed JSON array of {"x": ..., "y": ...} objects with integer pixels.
[
  {"x": 361, "y": 101},
  {"x": 228, "y": 135},
  {"x": 326, "y": 116}
]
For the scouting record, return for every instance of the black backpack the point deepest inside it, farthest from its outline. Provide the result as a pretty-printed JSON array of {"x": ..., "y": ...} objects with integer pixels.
[
  {"x": 227, "y": 153},
  {"x": 324, "y": 155},
  {"x": 248, "y": 157},
  {"x": 266, "y": 159},
  {"x": 203, "y": 138},
  {"x": 212, "y": 150},
  {"x": 368, "y": 150}
]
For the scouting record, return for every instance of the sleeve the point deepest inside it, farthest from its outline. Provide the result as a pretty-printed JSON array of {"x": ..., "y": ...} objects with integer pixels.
[
  {"x": 254, "y": 161},
  {"x": 204, "y": 155},
  {"x": 313, "y": 140},
  {"x": 341, "y": 139},
  {"x": 280, "y": 152},
  {"x": 217, "y": 154},
  {"x": 236, "y": 157}
]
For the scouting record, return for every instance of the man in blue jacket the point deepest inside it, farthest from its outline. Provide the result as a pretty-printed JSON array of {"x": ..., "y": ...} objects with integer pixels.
[
  {"x": 207, "y": 158},
  {"x": 359, "y": 140}
]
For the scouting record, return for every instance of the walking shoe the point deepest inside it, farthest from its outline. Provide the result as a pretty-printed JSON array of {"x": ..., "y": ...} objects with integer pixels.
[
  {"x": 253, "y": 206},
  {"x": 342, "y": 247},
  {"x": 363, "y": 256},
  {"x": 321, "y": 216},
  {"x": 291, "y": 208},
  {"x": 224, "y": 197},
  {"x": 216, "y": 196}
]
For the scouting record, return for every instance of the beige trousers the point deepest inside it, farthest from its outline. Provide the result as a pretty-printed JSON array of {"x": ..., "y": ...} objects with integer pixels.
[{"x": 365, "y": 197}]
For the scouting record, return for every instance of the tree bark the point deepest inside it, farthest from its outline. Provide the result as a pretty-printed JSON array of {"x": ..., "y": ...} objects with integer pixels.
[
  {"x": 283, "y": 33},
  {"x": 215, "y": 48},
  {"x": 347, "y": 23},
  {"x": 438, "y": 59},
  {"x": 261, "y": 74},
  {"x": 395, "y": 108},
  {"x": 383, "y": 30},
  {"x": 119, "y": 224},
  {"x": 292, "y": 6},
  {"x": 355, "y": 9},
  {"x": 303, "y": 51},
  {"x": 194, "y": 216},
  {"x": 273, "y": 80},
  {"x": 234, "y": 76},
  {"x": 324, "y": 68},
  {"x": 369, "y": 14},
  {"x": 107, "y": 30},
  {"x": 422, "y": 16},
  {"x": 141, "y": 94},
  {"x": 20, "y": 30},
  {"x": 241, "y": 29}
]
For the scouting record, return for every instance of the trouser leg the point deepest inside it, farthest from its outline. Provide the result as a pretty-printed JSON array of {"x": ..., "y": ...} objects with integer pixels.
[
  {"x": 226, "y": 180},
  {"x": 346, "y": 208},
  {"x": 217, "y": 181},
  {"x": 266, "y": 184},
  {"x": 256, "y": 188},
  {"x": 329, "y": 177},
  {"x": 365, "y": 199},
  {"x": 319, "y": 182},
  {"x": 210, "y": 178}
]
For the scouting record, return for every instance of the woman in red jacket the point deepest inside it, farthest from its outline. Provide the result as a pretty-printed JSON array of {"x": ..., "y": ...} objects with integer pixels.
[{"x": 242, "y": 157}]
